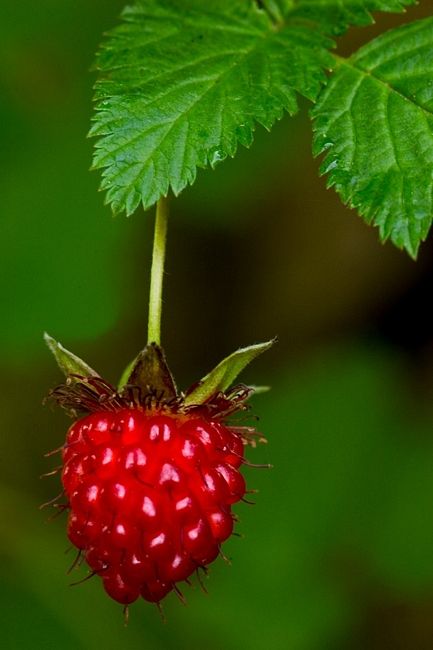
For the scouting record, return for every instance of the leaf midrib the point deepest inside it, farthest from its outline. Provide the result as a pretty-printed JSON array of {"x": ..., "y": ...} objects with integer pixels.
[{"x": 349, "y": 63}]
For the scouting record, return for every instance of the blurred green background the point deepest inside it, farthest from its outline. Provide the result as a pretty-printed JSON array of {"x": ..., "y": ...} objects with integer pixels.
[{"x": 338, "y": 550}]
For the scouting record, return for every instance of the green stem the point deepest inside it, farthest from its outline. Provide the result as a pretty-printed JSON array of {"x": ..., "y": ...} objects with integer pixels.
[{"x": 157, "y": 272}]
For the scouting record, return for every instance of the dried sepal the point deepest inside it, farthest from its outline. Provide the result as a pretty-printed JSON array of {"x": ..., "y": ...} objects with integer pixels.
[{"x": 150, "y": 373}]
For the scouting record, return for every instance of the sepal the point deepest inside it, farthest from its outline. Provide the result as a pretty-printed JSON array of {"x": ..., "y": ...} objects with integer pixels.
[
  {"x": 259, "y": 390},
  {"x": 224, "y": 374},
  {"x": 150, "y": 373},
  {"x": 68, "y": 362}
]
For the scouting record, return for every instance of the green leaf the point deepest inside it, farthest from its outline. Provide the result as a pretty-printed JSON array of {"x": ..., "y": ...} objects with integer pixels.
[
  {"x": 374, "y": 121},
  {"x": 334, "y": 16},
  {"x": 68, "y": 362},
  {"x": 183, "y": 83},
  {"x": 221, "y": 377}
]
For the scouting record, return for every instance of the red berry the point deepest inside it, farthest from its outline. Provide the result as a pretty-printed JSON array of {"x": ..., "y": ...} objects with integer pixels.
[{"x": 150, "y": 496}]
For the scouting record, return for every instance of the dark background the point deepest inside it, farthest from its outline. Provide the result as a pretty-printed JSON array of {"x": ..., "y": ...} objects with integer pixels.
[{"x": 338, "y": 550}]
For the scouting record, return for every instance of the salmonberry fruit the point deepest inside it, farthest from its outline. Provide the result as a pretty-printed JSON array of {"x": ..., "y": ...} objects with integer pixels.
[
  {"x": 150, "y": 476},
  {"x": 150, "y": 496}
]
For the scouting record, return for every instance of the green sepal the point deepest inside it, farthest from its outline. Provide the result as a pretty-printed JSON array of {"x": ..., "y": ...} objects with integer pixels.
[
  {"x": 150, "y": 372},
  {"x": 224, "y": 374},
  {"x": 68, "y": 362},
  {"x": 126, "y": 374},
  {"x": 259, "y": 390}
]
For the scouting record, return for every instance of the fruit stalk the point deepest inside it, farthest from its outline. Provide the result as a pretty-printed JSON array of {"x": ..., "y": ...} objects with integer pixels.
[{"x": 157, "y": 272}]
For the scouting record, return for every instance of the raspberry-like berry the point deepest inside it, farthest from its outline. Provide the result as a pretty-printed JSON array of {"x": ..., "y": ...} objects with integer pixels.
[
  {"x": 150, "y": 496},
  {"x": 151, "y": 473}
]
